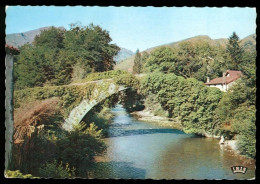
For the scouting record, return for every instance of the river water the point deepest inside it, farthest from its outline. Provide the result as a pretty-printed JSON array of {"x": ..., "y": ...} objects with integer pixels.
[{"x": 141, "y": 150}]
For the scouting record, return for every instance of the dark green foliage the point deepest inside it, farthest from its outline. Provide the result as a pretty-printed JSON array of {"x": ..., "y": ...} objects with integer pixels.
[
  {"x": 92, "y": 45},
  {"x": 235, "y": 51},
  {"x": 101, "y": 115},
  {"x": 79, "y": 146},
  {"x": 57, "y": 56},
  {"x": 55, "y": 170},
  {"x": 188, "y": 99},
  {"x": 162, "y": 59},
  {"x": 155, "y": 107},
  {"x": 198, "y": 60},
  {"x": 131, "y": 100},
  {"x": 137, "y": 68},
  {"x": 235, "y": 114}
]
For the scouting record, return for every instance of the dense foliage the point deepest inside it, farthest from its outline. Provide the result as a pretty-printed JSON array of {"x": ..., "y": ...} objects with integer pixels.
[
  {"x": 188, "y": 99},
  {"x": 78, "y": 147},
  {"x": 236, "y": 115},
  {"x": 191, "y": 60},
  {"x": 235, "y": 51},
  {"x": 199, "y": 59},
  {"x": 55, "y": 170},
  {"x": 58, "y": 56}
]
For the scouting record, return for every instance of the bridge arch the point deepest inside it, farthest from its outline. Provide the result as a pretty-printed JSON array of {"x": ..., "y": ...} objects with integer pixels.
[{"x": 100, "y": 94}]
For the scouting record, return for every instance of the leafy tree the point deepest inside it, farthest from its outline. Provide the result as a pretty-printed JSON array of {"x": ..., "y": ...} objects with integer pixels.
[
  {"x": 235, "y": 51},
  {"x": 187, "y": 99},
  {"x": 190, "y": 59},
  {"x": 56, "y": 56},
  {"x": 137, "y": 63},
  {"x": 27, "y": 73},
  {"x": 51, "y": 38},
  {"x": 92, "y": 45},
  {"x": 162, "y": 59}
]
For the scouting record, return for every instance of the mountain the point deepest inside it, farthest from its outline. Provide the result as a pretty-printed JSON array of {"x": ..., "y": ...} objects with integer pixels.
[
  {"x": 247, "y": 43},
  {"x": 19, "y": 39},
  {"x": 123, "y": 54}
]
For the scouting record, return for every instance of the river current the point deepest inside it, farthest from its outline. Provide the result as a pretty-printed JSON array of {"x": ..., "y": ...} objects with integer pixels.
[{"x": 142, "y": 150}]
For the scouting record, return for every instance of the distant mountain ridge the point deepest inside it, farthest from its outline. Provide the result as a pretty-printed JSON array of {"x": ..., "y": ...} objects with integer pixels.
[
  {"x": 247, "y": 43},
  {"x": 123, "y": 54},
  {"x": 19, "y": 39}
]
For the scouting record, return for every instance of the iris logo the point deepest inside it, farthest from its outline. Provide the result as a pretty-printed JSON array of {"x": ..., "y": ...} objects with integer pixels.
[{"x": 239, "y": 169}]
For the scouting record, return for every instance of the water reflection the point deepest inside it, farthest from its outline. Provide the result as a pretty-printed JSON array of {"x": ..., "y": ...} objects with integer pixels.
[{"x": 117, "y": 170}]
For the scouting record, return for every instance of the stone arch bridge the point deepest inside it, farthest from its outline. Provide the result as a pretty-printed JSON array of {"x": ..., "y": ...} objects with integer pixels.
[{"x": 99, "y": 95}]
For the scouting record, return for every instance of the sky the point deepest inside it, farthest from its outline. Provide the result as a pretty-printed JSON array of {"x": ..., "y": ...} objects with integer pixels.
[{"x": 138, "y": 27}]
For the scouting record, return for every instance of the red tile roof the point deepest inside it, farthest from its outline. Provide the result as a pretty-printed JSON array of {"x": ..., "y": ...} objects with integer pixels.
[
  {"x": 233, "y": 75},
  {"x": 11, "y": 49}
]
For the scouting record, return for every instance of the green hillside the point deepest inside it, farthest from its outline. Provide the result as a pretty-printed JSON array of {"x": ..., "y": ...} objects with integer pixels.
[{"x": 248, "y": 43}]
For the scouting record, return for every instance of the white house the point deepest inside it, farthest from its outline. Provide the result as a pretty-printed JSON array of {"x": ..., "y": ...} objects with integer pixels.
[{"x": 226, "y": 81}]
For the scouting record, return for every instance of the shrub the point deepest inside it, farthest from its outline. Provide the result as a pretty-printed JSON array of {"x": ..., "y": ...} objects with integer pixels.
[
  {"x": 79, "y": 146},
  {"x": 55, "y": 170},
  {"x": 17, "y": 174}
]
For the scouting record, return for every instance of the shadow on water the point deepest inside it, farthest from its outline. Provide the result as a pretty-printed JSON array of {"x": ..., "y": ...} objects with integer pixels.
[
  {"x": 117, "y": 170},
  {"x": 121, "y": 132}
]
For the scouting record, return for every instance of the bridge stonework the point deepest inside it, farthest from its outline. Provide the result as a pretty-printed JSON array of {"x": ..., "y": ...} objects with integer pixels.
[{"x": 78, "y": 113}]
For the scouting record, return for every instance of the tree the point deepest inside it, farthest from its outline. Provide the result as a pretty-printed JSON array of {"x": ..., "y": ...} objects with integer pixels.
[
  {"x": 92, "y": 46},
  {"x": 235, "y": 51},
  {"x": 189, "y": 100},
  {"x": 162, "y": 59},
  {"x": 137, "y": 63},
  {"x": 57, "y": 56}
]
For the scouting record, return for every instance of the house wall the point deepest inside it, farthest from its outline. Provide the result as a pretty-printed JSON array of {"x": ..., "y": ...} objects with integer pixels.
[
  {"x": 232, "y": 83},
  {"x": 219, "y": 86},
  {"x": 9, "y": 123}
]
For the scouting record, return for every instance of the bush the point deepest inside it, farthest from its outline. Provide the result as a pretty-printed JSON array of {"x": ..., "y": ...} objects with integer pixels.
[
  {"x": 17, "y": 174},
  {"x": 55, "y": 170},
  {"x": 79, "y": 146}
]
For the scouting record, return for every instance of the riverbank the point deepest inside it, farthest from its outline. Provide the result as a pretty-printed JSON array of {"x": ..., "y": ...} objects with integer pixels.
[{"x": 148, "y": 116}]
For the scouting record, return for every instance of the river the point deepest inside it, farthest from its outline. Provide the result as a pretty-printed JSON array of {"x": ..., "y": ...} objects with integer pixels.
[{"x": 141, "y": 150}]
